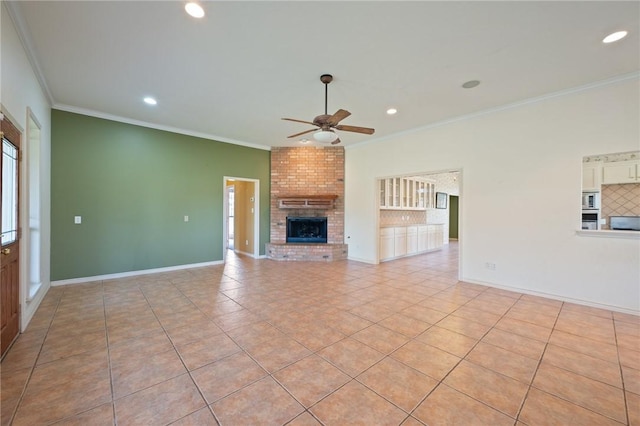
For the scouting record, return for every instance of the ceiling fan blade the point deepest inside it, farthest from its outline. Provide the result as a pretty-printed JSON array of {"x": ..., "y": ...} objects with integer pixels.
[
  {"x": 299, "y": 121},
  {"x": 340, "y": 115},
  {"x": 337, "y": 141},
  {"x": 356, "y": 129},
  {"x": 302, "y": 133}
]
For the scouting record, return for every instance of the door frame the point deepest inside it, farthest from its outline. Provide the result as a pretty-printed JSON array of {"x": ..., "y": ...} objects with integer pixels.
[
  {"x": 22, "y": 216},
  {"x": 256, "y": 216},
  {"x": 376, "y": 197}
]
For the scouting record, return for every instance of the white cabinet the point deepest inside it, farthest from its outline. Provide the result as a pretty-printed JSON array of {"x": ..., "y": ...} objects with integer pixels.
[
  {"x": 435, "y": 234},
  {"x": 406, "y": 193},
  {"x": 591, "y": 176},
  {"x": 386, "y": 243},
  {"x": 621, "y": 172},
  {"x": 412, "y": 239},
  {"x": 400, "y": 241},
  {"x": 423, "y": 238}
]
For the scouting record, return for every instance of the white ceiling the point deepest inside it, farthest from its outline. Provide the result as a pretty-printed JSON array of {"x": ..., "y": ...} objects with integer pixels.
[{"x": 232, "y": 75}]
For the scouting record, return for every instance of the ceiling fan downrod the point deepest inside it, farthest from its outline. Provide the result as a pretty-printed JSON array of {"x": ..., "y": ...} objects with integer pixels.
[{"x": 326, "y": 79}]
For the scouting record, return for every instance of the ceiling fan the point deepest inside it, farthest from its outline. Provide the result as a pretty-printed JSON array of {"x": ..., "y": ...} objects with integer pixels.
[{"x": 326, "y": 123}]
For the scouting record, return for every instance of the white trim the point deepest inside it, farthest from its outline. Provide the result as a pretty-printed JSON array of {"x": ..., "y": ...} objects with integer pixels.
[
  {"x": 27, "y": 45},
  {"x": 517, "y": 104},
  {"x": 27, "y": 309},
  {"x": 555, "y": 297},
  {"x": 358, "y": 259},
  {"x": 252, "y": 255},
  {"x": 256, "y": 216},
  {"x": 120, "y": 119},
  {"x": 605, "y": 233},
  {"x": 134, "y": 273}
]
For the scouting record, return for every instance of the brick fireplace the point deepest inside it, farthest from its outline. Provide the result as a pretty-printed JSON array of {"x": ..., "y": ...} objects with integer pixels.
[{"x": 307, "y": 182}]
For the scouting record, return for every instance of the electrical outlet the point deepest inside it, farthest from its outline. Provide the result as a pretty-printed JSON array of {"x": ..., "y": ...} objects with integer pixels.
[
  {"x": 490, "y": 266},
  {"x": 246, "y": 242}
]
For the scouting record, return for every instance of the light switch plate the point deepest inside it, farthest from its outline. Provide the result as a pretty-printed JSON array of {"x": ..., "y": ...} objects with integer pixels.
[{"x": 77, "y": 220}]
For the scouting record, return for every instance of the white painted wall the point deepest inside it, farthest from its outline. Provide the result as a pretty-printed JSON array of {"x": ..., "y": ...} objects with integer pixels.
[
  {"x": 19, "y": 90},
  {"x": 520, "y": 192}
]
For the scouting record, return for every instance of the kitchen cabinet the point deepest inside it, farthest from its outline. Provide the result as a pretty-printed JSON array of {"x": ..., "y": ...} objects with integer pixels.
[
  {"x": 406, "y": 193},
  {"x": 435, "y": 234},
  {"x": 412, "y": 239},
  {"x": 400, "y": 241},
  {"x": 403, "y": 241},
  {"x": 621, "y": 172},
  {"x": 423, "y": 238},
  {"x": 591, "y": 176},
  {"x": 386, "y": 243},
  {"x": 390, "y": 193}
]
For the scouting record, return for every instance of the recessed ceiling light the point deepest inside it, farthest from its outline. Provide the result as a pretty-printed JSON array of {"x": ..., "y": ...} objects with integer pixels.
[
  {"x": 392, "y": 111},
  {"x": 194, "y": 9},
  {"x": 471, "y": 84},
  {"x": 304, "y": 141},
  {"x": 150, "y": 101},
  {"x": 618, "y": 35}
]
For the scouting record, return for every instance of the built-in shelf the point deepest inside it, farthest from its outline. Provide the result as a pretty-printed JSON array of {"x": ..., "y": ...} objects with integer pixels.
[{"x": 321, "y": 202}]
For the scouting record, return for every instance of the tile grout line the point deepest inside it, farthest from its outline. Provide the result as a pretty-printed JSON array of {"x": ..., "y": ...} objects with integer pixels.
[
  {"x": 204, "y": 399},
  {"x": 441, "y": 382},
  {"x": 106, "y": 333},
  {"x": 544, "y": 350},
  {"x": 624, "y": 390},
  {"x": 35, "y": 362}
]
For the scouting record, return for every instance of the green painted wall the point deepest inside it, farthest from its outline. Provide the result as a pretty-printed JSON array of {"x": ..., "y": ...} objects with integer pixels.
[{"x": 133, "y": 186}]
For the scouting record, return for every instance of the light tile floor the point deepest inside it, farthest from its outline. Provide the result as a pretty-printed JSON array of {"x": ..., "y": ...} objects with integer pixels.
[{"x": 260, "y": 342}]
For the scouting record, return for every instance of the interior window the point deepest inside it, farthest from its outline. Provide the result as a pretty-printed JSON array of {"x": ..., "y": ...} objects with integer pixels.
[
  {"x": 9, "y": 192},
  {"x": 611, "y": 192}
]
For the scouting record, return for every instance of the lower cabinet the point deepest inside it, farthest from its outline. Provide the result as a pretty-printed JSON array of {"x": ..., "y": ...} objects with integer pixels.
[
  {"x": 402, "y": 241},
  {"x": 386, "y": 243},
  {"x": 412, "y": 239}
]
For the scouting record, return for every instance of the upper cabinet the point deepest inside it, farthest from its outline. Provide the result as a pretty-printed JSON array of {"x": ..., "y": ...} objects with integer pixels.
[
  {"x": 406, "y": 193},
  {"x": 621, "y": 172},
  {"x": 591, "y": 176}
]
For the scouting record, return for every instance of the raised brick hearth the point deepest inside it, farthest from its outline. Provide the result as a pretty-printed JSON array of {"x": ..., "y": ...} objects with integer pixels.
[{"x": 307, "y": 172}]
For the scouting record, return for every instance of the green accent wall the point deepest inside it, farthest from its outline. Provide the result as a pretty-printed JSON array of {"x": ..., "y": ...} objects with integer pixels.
[{"x": 132, "y": 186}]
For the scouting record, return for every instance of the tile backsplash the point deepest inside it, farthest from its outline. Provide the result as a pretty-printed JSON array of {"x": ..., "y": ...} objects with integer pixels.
[
  {"x": 402, "y": 217},
  {"x": 620, "y": 200}
]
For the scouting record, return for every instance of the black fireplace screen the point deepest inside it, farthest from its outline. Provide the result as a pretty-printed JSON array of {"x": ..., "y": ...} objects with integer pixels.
[{"x": 306, "y": 229}]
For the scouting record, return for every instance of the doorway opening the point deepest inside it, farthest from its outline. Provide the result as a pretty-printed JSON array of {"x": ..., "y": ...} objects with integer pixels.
[
  {"x": 241, "y": 230},
  {"x": 405, "y": 212},
  {"x": 229, "y": 221}
]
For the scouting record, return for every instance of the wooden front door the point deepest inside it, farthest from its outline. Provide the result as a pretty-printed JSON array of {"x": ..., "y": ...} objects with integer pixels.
[{"x": 10, "y": 250}]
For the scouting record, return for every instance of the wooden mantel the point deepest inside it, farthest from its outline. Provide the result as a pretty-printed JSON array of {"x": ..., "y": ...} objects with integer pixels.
[{"x": 307, "y": 201}]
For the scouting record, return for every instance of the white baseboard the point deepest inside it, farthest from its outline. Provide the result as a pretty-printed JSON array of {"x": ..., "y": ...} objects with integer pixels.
[
  {"x": 555, "y": 297},
  {"x": 133, "y": 273},
  {"x": 358, "y": 259}
]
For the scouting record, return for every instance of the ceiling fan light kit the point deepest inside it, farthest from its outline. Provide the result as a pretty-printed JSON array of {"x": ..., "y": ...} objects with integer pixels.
[
  {"x": 325, "y": 136},
  {"x": 325, "y": 123}
]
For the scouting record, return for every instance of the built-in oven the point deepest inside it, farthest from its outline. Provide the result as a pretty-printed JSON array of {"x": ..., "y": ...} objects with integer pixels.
[
  {"x": 590, "y": 200},
  {"x": 590, "y": 219}
]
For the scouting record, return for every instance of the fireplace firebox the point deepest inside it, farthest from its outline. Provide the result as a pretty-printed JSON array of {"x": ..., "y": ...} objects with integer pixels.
[{"x": 306, "y": 229}]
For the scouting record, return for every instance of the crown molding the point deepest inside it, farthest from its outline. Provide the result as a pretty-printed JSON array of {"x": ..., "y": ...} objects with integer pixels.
[
  {"x": 27, "y": 44},
  {"x": 583, "y": 88},
  {"x": 120, "y": 119}
]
